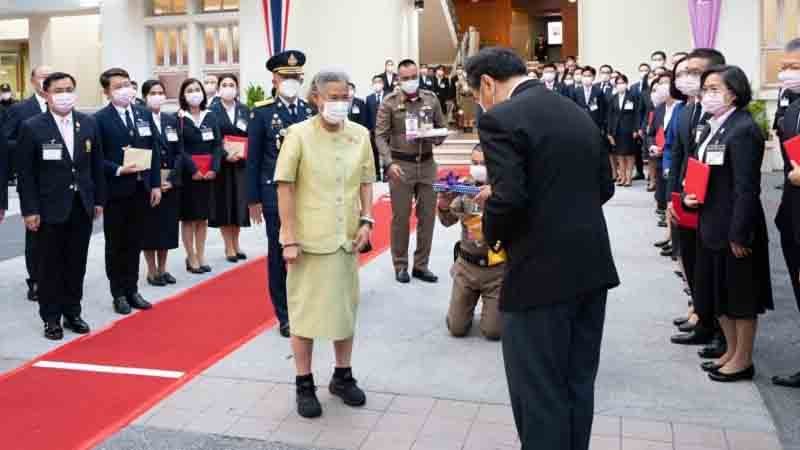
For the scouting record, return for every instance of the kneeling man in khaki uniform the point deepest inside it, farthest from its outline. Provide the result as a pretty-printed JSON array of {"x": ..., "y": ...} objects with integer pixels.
[{"x": 475, "y": 274}]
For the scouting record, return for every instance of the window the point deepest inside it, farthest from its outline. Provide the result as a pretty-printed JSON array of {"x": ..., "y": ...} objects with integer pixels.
[
  {"x": 220, "y": 5},
  {"x": 222, "y": 45},
  {"x": 779, "y": 26},
  {"x": 171, "y": 47},
  {"x": 169, "y": 7}
]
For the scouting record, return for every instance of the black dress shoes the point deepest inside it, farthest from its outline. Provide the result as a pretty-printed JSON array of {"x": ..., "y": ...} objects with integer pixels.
[
  {"x": 76, "y": 324},
  {"x": 137, "y": 301},
  {"x": 680, "y": 321},
  {"x": 33, "y": 292},
  {"x": 687, "y": 327},
  {"x": 715, "y": 349},
  {"x": 285, "y": 330},
  {"x": 195, "y": 270},
  {"x": 121, "y": 306},
  {"x": 205, "y": 268},
  {"x": 53, "y": 331},
  {"x": 662, "y": 223},
  {"x": 699, "y": 336},
  {"x": 661, "y": 244},
  {"x": 424, "y": 275},
  {"x": 709, "y": 366},
  {"x": 347, "y": 389},
  {"x": 744, "y": 375},
  {"x": 241, "y": 256},
  {"x": 792, "y": 381},
  {"x": 230, "y": 259},
  {"x": 666, "y": 250},
  {"x": 169, "y": 279},
  {"x": 402, "y": 276},
  {"x": 307, "y": 403}
]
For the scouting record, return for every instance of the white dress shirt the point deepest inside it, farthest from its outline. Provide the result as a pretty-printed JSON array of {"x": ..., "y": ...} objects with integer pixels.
[
  {"x": 121, "y": 112},
  {"x": 587, "y": 93},
  {"x": 715, "y": 124},
  {"x": 67, "y": 129},
  {"x": 157, "y": 121},
  {"x": 42, "y": 103},
  {"x": 231, "y": 112}
]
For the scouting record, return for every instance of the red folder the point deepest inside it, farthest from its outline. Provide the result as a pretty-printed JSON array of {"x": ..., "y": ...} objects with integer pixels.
[
  {"x": 238, "y": 141},
  {"x": 696, "y": 181},
  {"x": 792, "y": 147},
  {"x": 686, "y": 219},
  {"x": 661, "y": 139},
  {"x": 203, "y": 163}
]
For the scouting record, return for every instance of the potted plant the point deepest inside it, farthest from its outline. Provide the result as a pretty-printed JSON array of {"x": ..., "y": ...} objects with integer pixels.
[{"x": 758, "y": 109}]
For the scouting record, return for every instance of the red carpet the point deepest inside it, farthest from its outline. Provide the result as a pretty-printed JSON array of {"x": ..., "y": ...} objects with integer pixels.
[{"x": 45, "y": 408}]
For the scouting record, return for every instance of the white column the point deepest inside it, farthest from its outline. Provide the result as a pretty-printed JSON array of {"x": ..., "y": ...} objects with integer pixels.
[
  {"x": 39, "y": 40},
  {"x": 123, "y": 37},
  {"x": 413, "y": 33},
  {"x": 253, "y": 51}
]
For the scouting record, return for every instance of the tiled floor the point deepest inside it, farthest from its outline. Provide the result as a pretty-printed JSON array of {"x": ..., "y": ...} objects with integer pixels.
[{"x": 265, "y": 411}]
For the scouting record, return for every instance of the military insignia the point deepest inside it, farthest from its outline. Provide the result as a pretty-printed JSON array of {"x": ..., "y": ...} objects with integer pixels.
[
  {"x": 252, "y": 115},
  {"x": 275, "y": 115},
  {"x": 284, "y": 132},
  {"x": 266, "y": 102},
  {"x": 77, "y": 126},
  {"x": 88, "y": 145},
  {"x": 292, "y": 60},
  {"x": 308, "y": 111}
]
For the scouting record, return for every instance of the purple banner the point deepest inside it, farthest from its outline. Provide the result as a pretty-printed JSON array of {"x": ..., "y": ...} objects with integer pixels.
[{"x": 704, "y": 15}]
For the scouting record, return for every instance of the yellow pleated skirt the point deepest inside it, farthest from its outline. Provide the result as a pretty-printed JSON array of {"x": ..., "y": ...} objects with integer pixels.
[{"x": 323, "y": 295}]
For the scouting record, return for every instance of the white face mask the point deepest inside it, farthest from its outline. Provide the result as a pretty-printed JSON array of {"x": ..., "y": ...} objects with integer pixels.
[
  {"x": 569, "y": 82},
  {"x": 604, "y": 77},
  {"x": 790, "y": 80},
  {"x": 377, "y": 87},
  {"x": 211, "y": 89},
  {"x": 622, "y": 88},
  {"x": 478, "y": 173},
  {"x": 154, "y": 102},
  {"x": 5, "y": 96},
  {"x": 410, "y": 87},
  {"x": 228, "y": 93},
  {"x": 578, "y": 79},
  {"x": 64, "y": 102},
  {"x": 289, "y": 88},
  {"x": 688, "y": 85},
  {"x": 335, "y": 112},
  {"x": 123, "y": 96},
  {"x": 660, "y": 94},
  {"x": 194, "y": 98},
  {"x": 714, "y": 103},
  {"x": 549, "y": 76},
  {"x": 587, "y": 81}
]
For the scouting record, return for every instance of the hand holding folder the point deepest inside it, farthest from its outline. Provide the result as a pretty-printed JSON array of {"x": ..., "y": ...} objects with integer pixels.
[
  {"x": 696, "y": 181},
  {"x": 686, "y": 219},
  {"x": 792, "y": 147},
  {"x": 203, "y": 163},
  {"x": 139, "y": 157},
  {"x": 235, "y": 146}
]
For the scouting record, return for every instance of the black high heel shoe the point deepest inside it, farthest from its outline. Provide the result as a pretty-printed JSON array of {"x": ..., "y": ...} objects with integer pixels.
[
  {"x": 194, "y": 270},
  {"x": 743, "y": 375}
]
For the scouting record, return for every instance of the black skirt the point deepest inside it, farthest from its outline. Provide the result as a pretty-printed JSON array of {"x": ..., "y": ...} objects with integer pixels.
[
  {"x": 229, "y": 197},
  {"x": 625, "y": 144},
  {"x": 740, "y": 288},
  {"x": 195, "y": 199},
  {"x": 161, "y": 223}
]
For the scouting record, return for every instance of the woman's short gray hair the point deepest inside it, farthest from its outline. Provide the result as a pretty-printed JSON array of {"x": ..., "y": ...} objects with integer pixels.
[{"x": 328, "y": 76}]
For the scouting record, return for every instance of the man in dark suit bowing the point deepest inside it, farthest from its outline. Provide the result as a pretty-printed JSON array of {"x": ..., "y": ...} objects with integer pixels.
[
  {"x": 62, "y": 189},
  {"x": 15, "y": 116},
  {"x": 545, "y": 212},
  {"x": 131, "y": 189}
]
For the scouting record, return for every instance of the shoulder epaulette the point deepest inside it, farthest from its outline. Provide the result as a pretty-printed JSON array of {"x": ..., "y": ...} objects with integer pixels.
[{"x": 266, "y": 102}]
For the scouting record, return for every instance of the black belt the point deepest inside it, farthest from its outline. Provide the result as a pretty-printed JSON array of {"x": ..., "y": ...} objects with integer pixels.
[
  {"x": 476, "y": 260},
  {"x": 407, "y": 157}
]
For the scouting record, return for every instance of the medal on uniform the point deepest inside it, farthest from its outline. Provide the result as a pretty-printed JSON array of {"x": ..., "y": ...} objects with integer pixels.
[{"x": 88, "y": 146}]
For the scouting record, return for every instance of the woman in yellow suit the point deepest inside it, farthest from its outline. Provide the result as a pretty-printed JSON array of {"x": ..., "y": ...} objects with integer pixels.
[{"x": 325, "y": 173}]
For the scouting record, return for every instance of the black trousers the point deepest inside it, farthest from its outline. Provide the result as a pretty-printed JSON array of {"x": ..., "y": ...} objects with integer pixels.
[
  {"x": 551, "y": 356},
  {"x": 32, "y": 256},
  {"x": 276, "y": 266},
  {"x": 375, "y": 156},
  {"x": 123, "y": 225},
  {"x": 705, "y": 310},
  {"x": 661, "y": 184},
  {"x": 791, "y": 253},
  {"x": 62, "y": 266}
]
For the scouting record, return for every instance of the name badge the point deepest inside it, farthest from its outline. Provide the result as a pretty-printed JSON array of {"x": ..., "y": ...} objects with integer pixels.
[
  {"x": 172, "y": 135},
  {"x": 628, "y": 106},
  {"x": 52, "y": 152},
  {"x": 784, "y": 102},
  {"x": 241, "y": 124},
  {"x": 144, "y": 130},
  {"x": 593, "y": 107},
  {"x": 208, "y": 135},
  {"x": 356, "y": 110},
  {"x": 715, "y": 154}
]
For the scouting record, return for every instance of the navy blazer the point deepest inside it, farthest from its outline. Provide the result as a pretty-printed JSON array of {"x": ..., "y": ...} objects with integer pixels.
[
  {"x": 227, "y": 128},
  {"x": 596, "y": 98},
  {"x": 47, "y": 187},
  {"x": 192, "y": 142},
  {"x": 732, "y": 211},
  {"x": 623, "y": 121},
  {"x": 358, "y": 112},
  {"x": 788, "y": 217},
  {"x": 15, "y": 115},
  {"x": 5, "y": 164},
  {"x": 171, "y": 155},
  {"x": 372, "y": 111},
  {"x": 550, "y": 176},
  {"x": 685, "y": 143},
  {"x": 115, "y": 135}
]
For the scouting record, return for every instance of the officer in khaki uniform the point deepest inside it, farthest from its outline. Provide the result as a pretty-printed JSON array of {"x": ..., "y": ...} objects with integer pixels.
[
  {"x": 475, "y": 274},
  {"x": 411, "y": 169}
]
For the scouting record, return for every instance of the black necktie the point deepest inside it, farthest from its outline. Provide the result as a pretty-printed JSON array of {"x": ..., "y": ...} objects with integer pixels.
[
  {"x": 293, "y": 111},
  {"x": 129, "y": 122}
]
